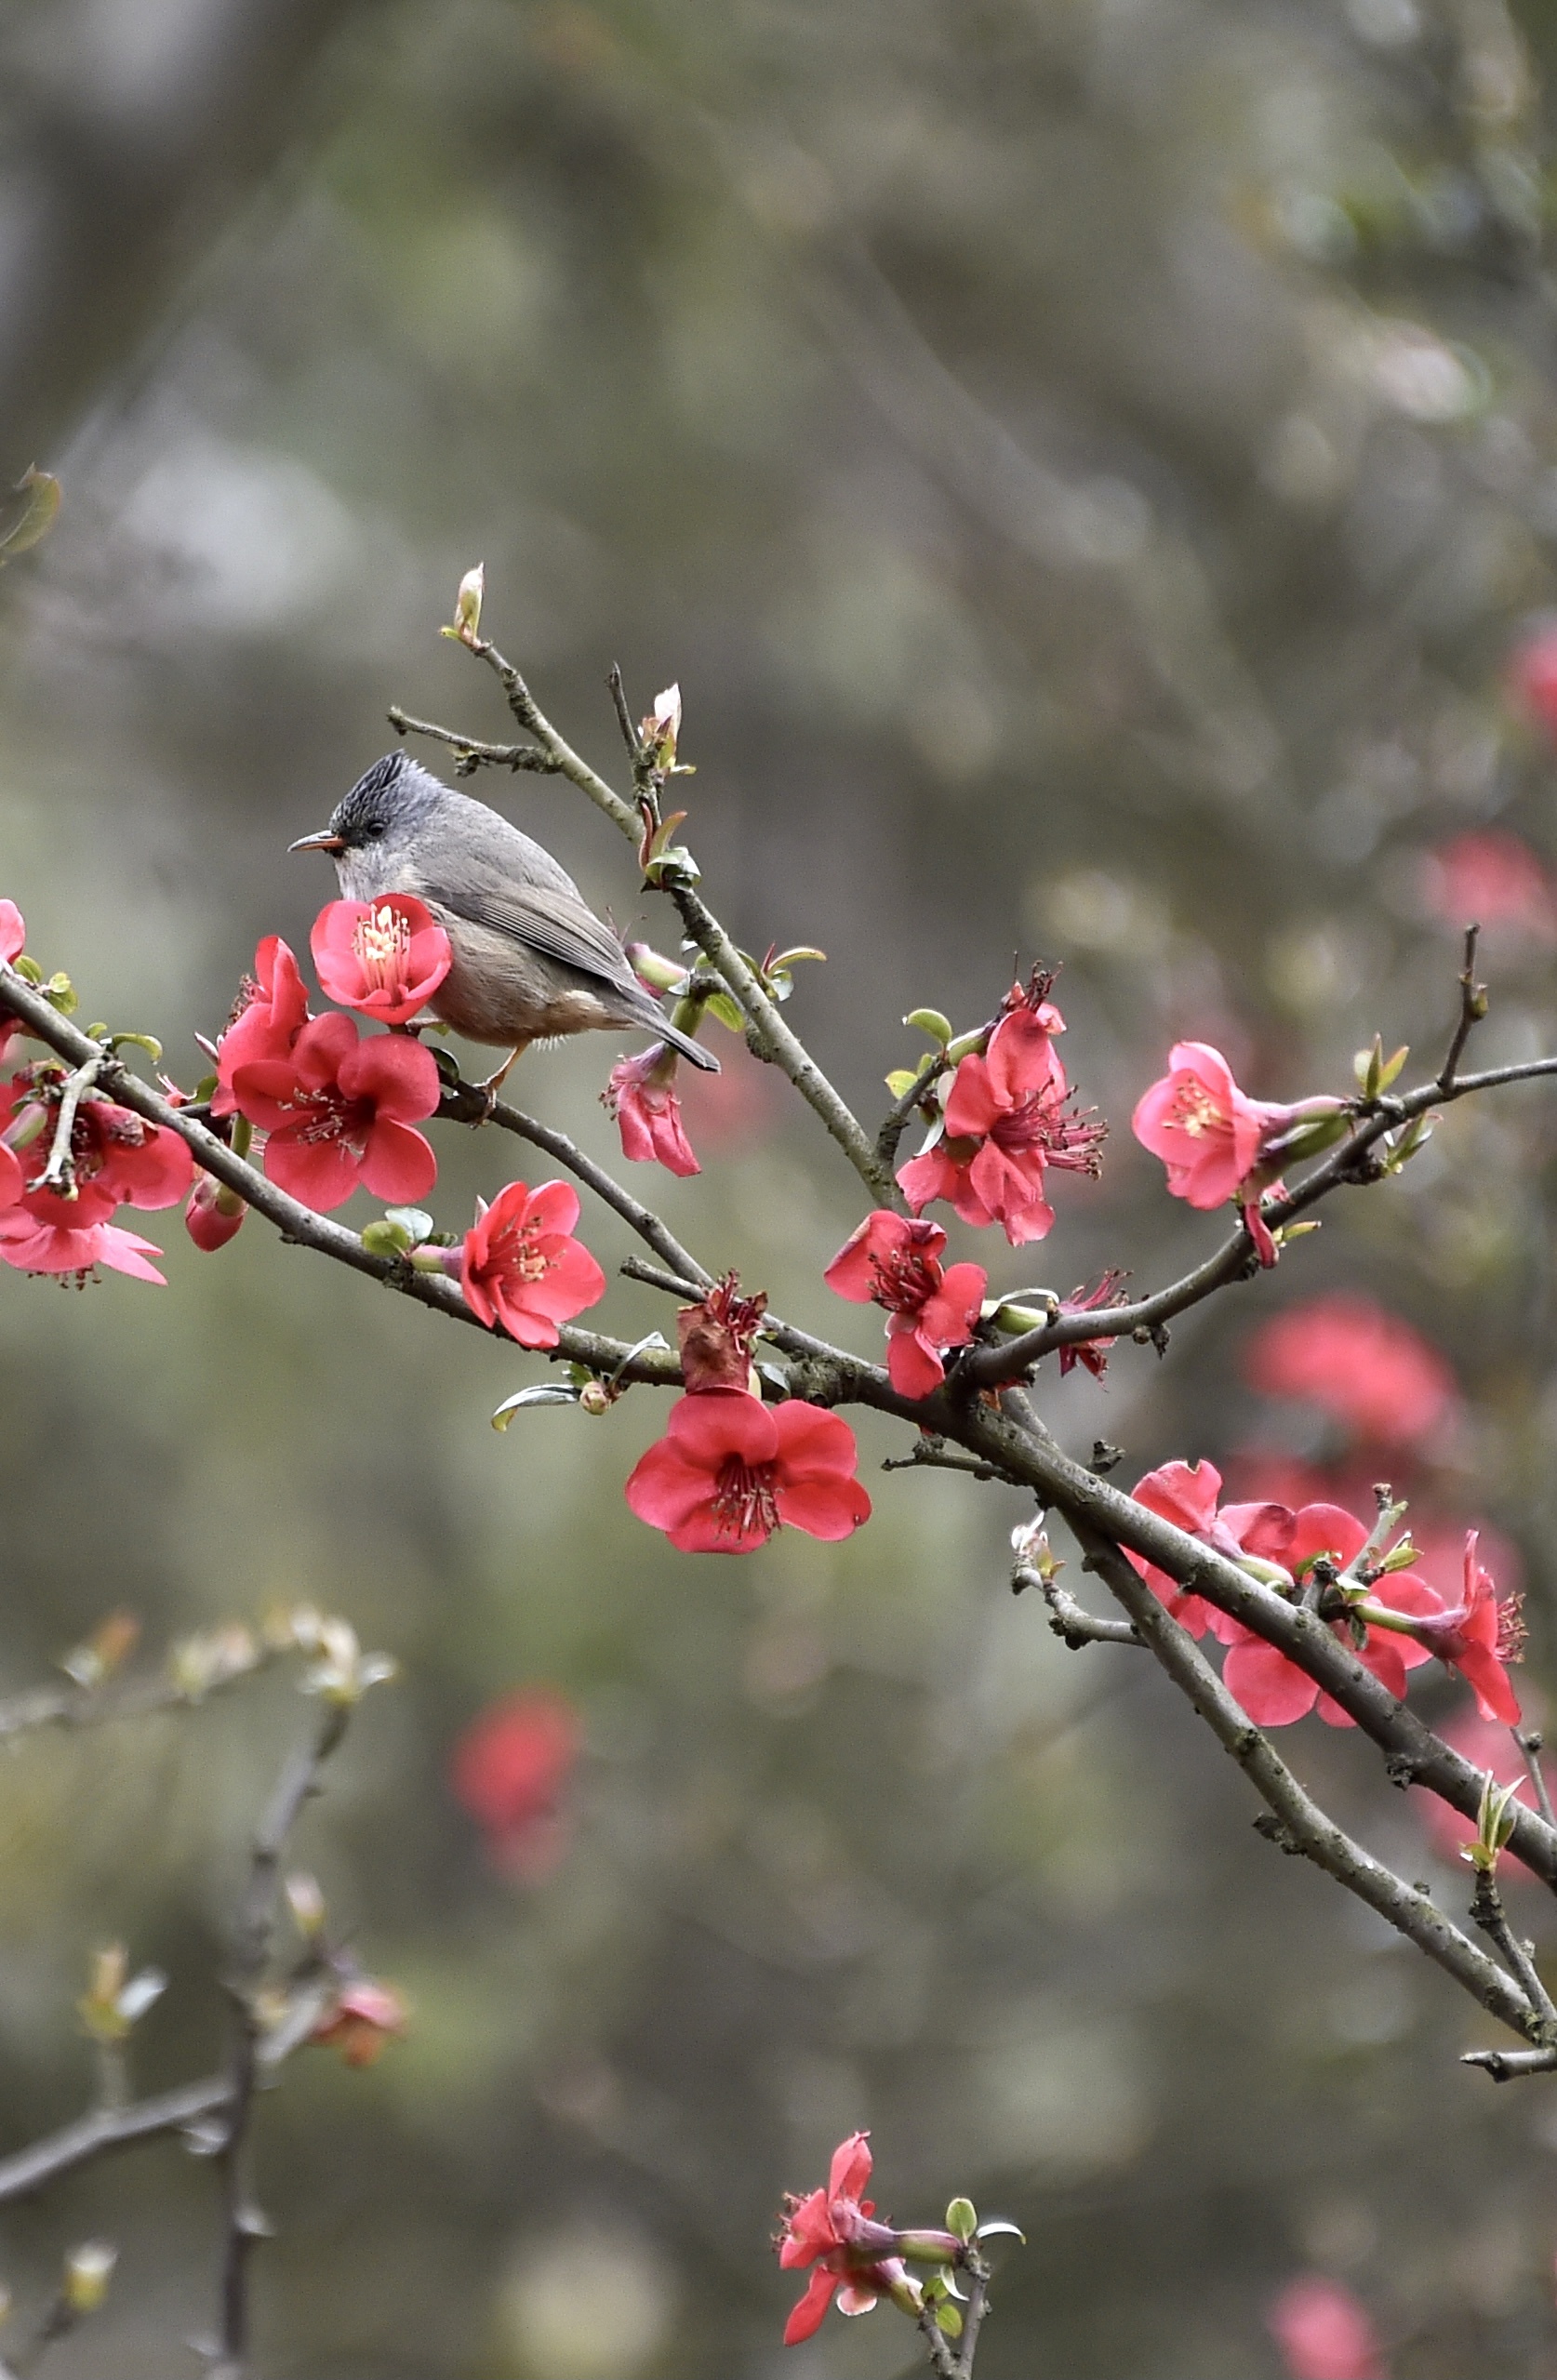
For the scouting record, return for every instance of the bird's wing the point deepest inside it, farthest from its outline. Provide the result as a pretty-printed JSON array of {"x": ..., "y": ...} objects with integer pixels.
[{"x": 556, "y": 922}]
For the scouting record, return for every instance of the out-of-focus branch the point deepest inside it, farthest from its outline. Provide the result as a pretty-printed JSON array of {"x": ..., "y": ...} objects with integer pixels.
[
  {"x": 1297, "y": 1823},
  {"x": 245, "y": 2224},
  {"x": 105, "y": 2129},
  {"x": 1472, "y": 1008},
  {"x": 72, "y": 1707}
]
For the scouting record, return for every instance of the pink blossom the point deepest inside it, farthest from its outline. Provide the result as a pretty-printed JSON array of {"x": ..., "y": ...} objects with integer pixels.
[
  {"x": 1208, "y": 1133},
  {"x": 1008, "y": 1119},
  {"x": 1532, "y": 678},
  {"x": 1490, "y": 878},
  {"x": 640, "y": 1094},
  {"x": 1324, "y": 2332},
  {"x": 31, "y": 1247},
  {"x": 893, "y": 1262},
  {"x": 1358, "y": 1363}
]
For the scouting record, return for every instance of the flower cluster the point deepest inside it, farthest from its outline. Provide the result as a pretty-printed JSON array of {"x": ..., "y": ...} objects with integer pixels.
[
  {"x": 1385, "y": 1612},
  {"x": 855, "y": 2256},
  {"x": 1007, "y": 1117},
  {"x": 730, "y": 1469},
  {"x": 70, "y": 1157},
  {"x": 894, "y": 1262}
]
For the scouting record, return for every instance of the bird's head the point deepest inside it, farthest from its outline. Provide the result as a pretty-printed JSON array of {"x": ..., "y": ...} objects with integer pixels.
[{"x": 381, "y": 809}]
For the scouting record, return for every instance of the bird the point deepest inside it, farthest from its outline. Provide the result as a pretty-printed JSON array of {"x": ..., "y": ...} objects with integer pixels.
[{"x": 531, "y": 960}]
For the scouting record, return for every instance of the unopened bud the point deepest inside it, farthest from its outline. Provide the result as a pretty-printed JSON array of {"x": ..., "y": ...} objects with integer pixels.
[
  {"x": 466, "y": 623},
  {"x": 306, "y": 1904},
  {"x": 595, "y": 1398},
  {"x": 88, "y": 2269}
]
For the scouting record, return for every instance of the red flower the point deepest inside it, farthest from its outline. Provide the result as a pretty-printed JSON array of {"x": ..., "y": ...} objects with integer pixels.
[
  {"x": 715, "y": 1338},
  {"x": 1323, "y": 2333},
  {"x": 854, "y": 2255},
  {"x": 271, "y": 1013},
  {"x": 891, "y": 1262},
  {"x": 33, "y": 1246},
  {"x": 520, "y": 1271},
  {"x": 729, "y": 1470},
  {"x": 1490, "y": 879},
  {"x": 1005, "y": 1121},
  {"x": 386, "y": 957},
  {"x": 116, "y": 1159},
  {"x": 640, "y": 1094},
  {"x": 508, "y": 1768},
  {"x": 361, "y": 2021},
  {"x": 1186, "y": 1494},
  {"x": 1357, "y": 1363},
  {"x": 1274, "y": 1690},
  {"x": 213, "y": 1215},
  {"x": 1207, "y": 1131},
  {"x": 1093, "y": 1352},
  {"x": 13, "y": 1181},
  {"x": 1478, "y": 1636},
  {"x": 339, "y": 1112}
]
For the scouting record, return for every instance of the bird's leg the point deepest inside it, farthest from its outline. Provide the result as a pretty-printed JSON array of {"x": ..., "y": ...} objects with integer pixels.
[{"x": 494, "y": 1082}]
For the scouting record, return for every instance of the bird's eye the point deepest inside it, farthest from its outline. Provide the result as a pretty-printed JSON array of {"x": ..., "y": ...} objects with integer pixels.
[{"x": 374, "y": 829}]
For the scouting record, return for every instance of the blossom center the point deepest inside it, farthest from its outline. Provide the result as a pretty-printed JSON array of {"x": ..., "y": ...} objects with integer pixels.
[
  {"x": 1194, "y": 1110},
  {"x": 327, "y": 1114},
  {"x": 905, "y": 1280},
  {"x": 1040, "y": 1124},
  {"x": 381, "y": 942},
  {"x": 743, "y": 1501},
  {"x": 517, "y": 1250}
]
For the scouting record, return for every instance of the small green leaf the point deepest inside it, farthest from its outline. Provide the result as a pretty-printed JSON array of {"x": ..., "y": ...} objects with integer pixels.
[
  {"x": 931, "y": 1022},
  {"x": 962, "y": 2219},
  {"x": 41, "y": 492},
  {"x": 993, "y": 2230},
  {"x": 382, "y": 1238},
  {"x": 148, "y": 1041},
  {"x": 417, "y": 1224},
  {"x": 949, "y": 2320},
  {"x": 27, "y": 969},
  {"x": 902, "y": 1081},
  {"x": 1390, "y": 1071},
  {"x": 60, "y": 993},
  {"x": 549, "y": 1393},
  {"x": 720, "y": 1004}
]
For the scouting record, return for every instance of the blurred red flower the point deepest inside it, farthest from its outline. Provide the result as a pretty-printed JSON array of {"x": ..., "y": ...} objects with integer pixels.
[
  {"x": 1532, "y": 678},
  {"x": 508, "y": 1770},
  {"x": 522, "y": 1271},
  {"x": 893, "y": 1262},
  {"x": 386, "y": 957},
  {"x": 729, "y": 1470},
  {"x": 361, "y": 2021},
  {"x": 640, "y": 1095},
  {"x": 271, "y": 1012},
  {"x": 1490, "y": 878},
  {"x": 1323, "y": 2333},
  {"x": 13, "y": 941},
  {"x": 339, "y": 1112},
  {"x": 1361, "y": 1365}
]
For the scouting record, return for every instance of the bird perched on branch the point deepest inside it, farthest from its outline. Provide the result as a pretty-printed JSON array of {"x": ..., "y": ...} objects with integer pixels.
[{"x": 531, "y": 959}]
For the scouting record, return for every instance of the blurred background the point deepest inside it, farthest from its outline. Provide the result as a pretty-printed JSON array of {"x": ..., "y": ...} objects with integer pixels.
[{"x": 1089, "y": 464}]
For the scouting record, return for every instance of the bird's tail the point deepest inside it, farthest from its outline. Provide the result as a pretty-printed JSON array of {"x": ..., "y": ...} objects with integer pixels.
[{"x": 688, "y": 1046}]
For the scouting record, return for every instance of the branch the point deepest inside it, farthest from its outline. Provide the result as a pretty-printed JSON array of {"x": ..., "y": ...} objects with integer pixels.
[
  {"x": 23, "y": 1714},
  {"x": 1297, "y": 1823},
  {"x": 771, "y": 1036},
  {"x": 464, "y": 1104},
  {"x": 1070, "y": 1619},
  {"x": 106, "y": 2129},
  {"x": 300, "y": 1225},
  {"x": 1472, "y": 1008},
  {"x": 985, "y": 1366},
  {"x": 246, "y": 2225},
  {"x": 471, "y": 753},
  {"x": 897, "y": 1116}
]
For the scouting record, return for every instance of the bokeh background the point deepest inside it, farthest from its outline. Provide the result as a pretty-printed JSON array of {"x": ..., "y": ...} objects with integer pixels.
[{"x": 1087, "y": 463}]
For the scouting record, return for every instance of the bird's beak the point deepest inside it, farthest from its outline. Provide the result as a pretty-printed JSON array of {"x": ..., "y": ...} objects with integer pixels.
[{"x": 323, "y": 841}]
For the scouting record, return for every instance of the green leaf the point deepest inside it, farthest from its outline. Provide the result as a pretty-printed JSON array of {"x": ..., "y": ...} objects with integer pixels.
[
  {"x": 931, "y": 1022},
  {"x": 27, "y": 969},
  {"x": 40, "y": 491},
  {"x": 148, "y": 1041},
  {"x": 902, "y": 1081},
  {"x": 382, "y": 1238},
  {"x": 948, "y": 2320},
  {"x": 721, "y": 1004},
  {"x": 962, "y": 2219},
  {"x": 549, "y": 1394},
  {"x": 991, "y": 2231},
  {"x": 417, "y": 1224}
]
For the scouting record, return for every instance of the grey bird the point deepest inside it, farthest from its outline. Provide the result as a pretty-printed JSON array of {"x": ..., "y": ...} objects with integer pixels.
[{"x": 531, "y": 959}]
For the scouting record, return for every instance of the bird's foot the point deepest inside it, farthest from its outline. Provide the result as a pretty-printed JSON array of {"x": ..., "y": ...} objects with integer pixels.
[{"x": 493, "y": 1084}]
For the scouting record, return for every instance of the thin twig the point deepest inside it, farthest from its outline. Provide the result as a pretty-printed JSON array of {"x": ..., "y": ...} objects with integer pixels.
[
  {"x": 1070, "y": 1619},
  {"x": 72, "y": 1707},
  {"x": 471, "y": 753},
  {"x": 464, "y": 1103},
  {"x": 1472, "y": 1008},
  {"x": 106, "y": 2129},
  {"x": 771, "y": 1036},
  {"x": 897, "y": 1116},
  {"x": 1487, "y": 1911},
  {"x": 943, "y": 2362},
  {"x": 1531, "y": 1743},
  {"x": 245, "y": 2224},
  {"x": 978, "y": 2306},
  {"x": 60, "y": 1172},
  {"x": 1511, "y": 2066},
  {"x": 1299, "y": 1824},
  {"x": 929, "y": 1455}
]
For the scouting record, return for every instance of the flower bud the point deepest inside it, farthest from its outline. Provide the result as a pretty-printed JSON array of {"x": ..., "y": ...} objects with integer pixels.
[
  {"x": 466, "y": 623},
  {"x": 214, "y": 1214},
  {"x": 306, "y": 1905},
  {"x": 88, "y": 2269},
  {"x": 595, "y": 1398},
  {"x": 653, "y": 968}
]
